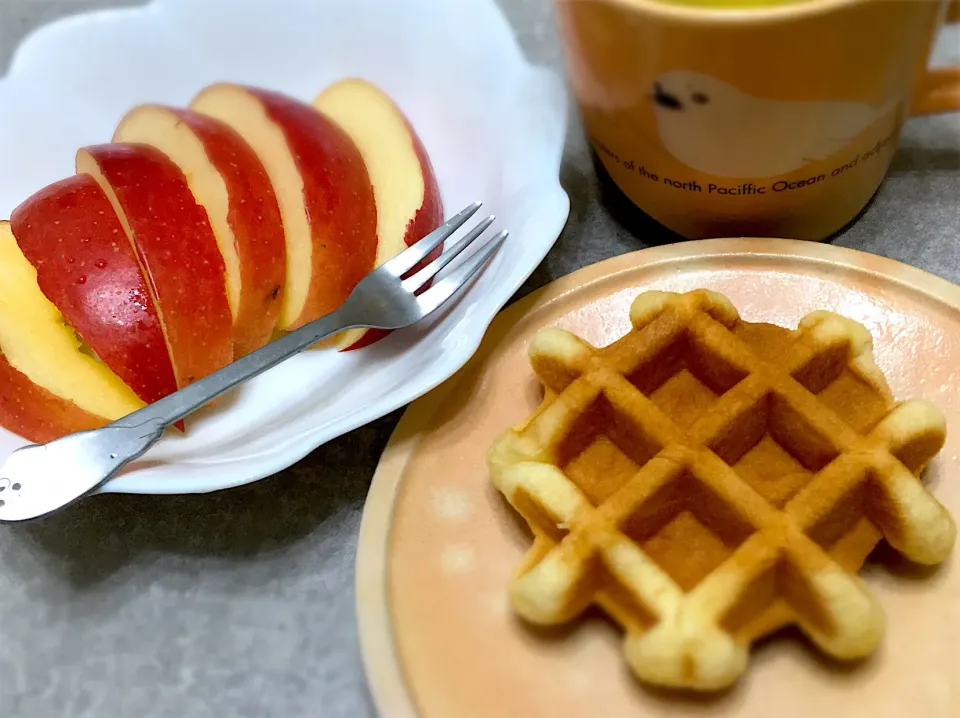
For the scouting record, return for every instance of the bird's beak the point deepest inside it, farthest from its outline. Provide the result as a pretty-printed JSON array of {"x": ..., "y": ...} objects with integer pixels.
[{"x": 665, "y": 99}]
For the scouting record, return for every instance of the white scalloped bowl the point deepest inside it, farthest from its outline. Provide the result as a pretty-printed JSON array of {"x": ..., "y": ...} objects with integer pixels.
[{"x": 493, "y": 125}]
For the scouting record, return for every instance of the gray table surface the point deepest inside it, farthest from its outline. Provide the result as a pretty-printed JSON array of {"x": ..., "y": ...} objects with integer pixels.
[{"x": 242, "y": 603}]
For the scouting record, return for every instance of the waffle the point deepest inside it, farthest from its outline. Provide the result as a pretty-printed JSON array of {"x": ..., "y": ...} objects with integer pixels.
[{"x": 706, "y": 480}]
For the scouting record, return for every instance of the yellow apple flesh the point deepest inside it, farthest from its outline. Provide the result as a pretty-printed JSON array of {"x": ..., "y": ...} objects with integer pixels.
[
  {"x": 67, "y": 390},
  {"x": 322, "y": 187},
  {"x": 404, "y": 185}
]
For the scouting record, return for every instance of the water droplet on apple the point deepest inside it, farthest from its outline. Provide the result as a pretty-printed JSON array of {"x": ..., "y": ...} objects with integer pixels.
[
  {"x": 82, "y": 279},
  {"x": 70, "y": 260},
  {"x": 100, "y": 264},
  {"x": 83, "y": 240}
]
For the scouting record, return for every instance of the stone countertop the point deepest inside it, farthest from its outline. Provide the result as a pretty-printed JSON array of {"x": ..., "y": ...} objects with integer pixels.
[{"x": 242, "y": 603}]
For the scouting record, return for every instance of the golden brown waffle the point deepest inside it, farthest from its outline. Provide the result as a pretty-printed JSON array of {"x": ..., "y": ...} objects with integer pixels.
[{"x": 707, "y": 480}]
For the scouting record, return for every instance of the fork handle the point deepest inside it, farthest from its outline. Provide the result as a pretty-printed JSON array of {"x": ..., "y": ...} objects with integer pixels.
[
  {"x": 173, "y": 407},
  {"x": 98, "y": 454}
]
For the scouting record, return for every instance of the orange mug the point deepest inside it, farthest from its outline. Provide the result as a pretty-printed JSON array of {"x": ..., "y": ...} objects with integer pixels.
[{"x": 776, "y": 118}]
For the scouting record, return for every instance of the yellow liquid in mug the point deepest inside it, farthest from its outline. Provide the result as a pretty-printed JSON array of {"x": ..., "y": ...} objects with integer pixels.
[{"x": 733, "y": 4}]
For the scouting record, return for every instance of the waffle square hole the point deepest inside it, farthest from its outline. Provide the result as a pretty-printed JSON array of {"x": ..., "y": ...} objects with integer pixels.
[
  {"x": 827, "y": 374},
  {"x": 715, "y": 371},
  {"x": 687, "y": 529},
  {"x": 685, "y": 378},
  {"x": 854, "y": 401},
  {"x": 773, "y": 448},
  {"x": 822, "y": 367},
  {"x": 848, "y": 531},
  {"x": 603, "y": 449}
]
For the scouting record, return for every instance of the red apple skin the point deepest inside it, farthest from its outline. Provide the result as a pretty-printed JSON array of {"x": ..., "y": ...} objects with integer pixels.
[
  {"x": 426, "y": 219},
  {"x": 430, "y": 215},
  {"x": 339, "y": 199},
  {"x": 178, "y": 251},
  {"x": 254, "y": 217},
  {"x": 38, "y": 415},
  {"x": 87, "y": 268}
]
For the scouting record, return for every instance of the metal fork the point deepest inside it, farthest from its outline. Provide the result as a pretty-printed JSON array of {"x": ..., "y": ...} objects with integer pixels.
[{"x": 42, "y": 478}]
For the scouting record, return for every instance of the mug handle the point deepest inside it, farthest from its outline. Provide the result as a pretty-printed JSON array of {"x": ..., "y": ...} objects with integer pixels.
[{"x": 939, "y": 88}]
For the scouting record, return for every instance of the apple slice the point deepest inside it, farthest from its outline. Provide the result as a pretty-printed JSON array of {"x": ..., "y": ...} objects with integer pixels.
[
  {"x": 176, "y": 248},
  {"x": 48, "y": 386},
  {"x": 229, "y": 182},
  {"x": 322, "y": 186},
  {"x": 85, "y": 265},
  {"x": 39, "y": 416},
  {"x": 404, "y": 185}
]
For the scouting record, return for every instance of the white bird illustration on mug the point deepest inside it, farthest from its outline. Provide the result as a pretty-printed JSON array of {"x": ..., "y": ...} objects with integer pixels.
[{"x": 717, "y": 129}]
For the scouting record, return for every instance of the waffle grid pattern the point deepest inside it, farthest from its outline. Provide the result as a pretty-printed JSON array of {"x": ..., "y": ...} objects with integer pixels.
[{"x": 705, "y": 481}]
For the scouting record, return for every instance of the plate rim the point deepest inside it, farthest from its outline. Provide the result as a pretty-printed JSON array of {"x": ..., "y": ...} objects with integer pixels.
[{"x": 383, "y": 671}]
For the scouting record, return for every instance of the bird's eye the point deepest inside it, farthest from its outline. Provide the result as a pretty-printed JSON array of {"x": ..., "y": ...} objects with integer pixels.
[{"x": 699, "y": 98}]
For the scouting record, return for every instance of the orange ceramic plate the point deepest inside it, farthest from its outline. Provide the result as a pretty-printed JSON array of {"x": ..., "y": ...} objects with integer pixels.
[{"x": 438, "y": 544}]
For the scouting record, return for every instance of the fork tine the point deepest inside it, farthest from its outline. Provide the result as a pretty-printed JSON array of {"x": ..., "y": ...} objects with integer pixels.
[
  {"x": 420, "y": 278},
  {"x": 408, "y": 258},
  {"x": 446, "y": 287}
]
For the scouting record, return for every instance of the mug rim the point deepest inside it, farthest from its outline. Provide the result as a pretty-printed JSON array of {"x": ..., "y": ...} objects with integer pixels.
[{"x": 743, "y": 16}]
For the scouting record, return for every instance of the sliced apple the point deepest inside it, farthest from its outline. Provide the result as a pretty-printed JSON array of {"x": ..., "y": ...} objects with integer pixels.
[
  {"x": 322, "y": 187},
  {"x": 404, "y": 184},
  {"x": 229, "y": 182},
  {"x": 85, "y": 265},
  {"x": 49, "y": 387},
  {"x": 30, "y": 411},
  {"x": 177, "y": 251}
]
